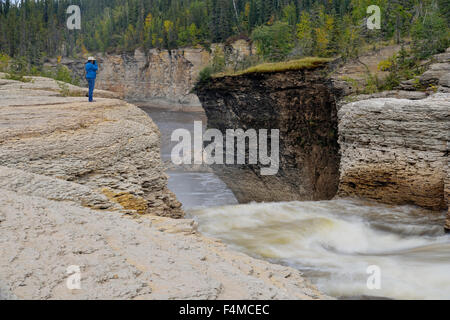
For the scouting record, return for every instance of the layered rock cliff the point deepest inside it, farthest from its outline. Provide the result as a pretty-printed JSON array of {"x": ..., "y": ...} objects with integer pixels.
[
  {"x": 302, "y": 105},
  {"x": 447, "y": 196},
  {"x": 396, "y": 150},
  {"x": 437, "y": 75},
  {"x": 108, "y": 145},
  {"x": 82, "y": 186},
  {"x": 45, "y": 227},
  {"x": 159, "y": 76}
]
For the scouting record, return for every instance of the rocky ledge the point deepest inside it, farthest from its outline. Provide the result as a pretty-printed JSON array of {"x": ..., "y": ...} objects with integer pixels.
[
  {"x": 396, "y": 150},
  {"x": 82, "y": 185},
  {"x": 108, "y": 145},
  {"x": 436, "y": 76}
]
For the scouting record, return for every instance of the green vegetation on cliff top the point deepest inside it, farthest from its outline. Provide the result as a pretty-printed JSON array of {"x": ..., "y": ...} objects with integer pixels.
[{"x": 292, "y": 65}]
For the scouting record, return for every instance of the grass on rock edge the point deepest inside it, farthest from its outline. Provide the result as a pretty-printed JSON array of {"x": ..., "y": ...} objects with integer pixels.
[{"x": 292, "y": 65}]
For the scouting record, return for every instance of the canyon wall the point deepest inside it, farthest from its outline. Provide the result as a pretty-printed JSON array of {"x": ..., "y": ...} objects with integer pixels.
[
  {"x": 396, "y": 150},
  {"x": 301, "y": 104},
  {"x": 160, "y": 77}
]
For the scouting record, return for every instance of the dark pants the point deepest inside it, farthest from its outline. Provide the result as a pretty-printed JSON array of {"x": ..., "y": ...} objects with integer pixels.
[{"x": 91, "y": 89}]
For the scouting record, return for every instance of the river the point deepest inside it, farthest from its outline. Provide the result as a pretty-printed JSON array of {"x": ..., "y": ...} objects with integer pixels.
[{"x": 334, "y": 243}]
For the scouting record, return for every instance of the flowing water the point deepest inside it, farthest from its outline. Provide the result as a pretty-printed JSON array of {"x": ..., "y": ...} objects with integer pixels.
[
  {"x": 193, "y": 188},
  {"x": 332, "y": 242}
]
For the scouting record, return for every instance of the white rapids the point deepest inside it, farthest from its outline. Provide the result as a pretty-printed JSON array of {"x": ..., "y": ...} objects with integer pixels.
[{"x": 334, "y": 242}]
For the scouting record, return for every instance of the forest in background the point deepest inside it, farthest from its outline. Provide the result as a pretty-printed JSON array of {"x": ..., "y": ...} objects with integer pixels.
[{"x": 31, "y": 30}]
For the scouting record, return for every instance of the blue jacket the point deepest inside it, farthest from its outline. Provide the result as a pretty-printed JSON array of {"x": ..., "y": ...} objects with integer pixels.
[{"x": 91, "y": 70}]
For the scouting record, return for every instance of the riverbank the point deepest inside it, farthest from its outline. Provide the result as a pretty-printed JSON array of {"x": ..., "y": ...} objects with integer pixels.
[{"x": 84, "y": 185}]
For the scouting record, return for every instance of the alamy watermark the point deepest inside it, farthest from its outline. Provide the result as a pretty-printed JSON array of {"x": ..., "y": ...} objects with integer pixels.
[
  {"x": 374, "y": 21},
  {"x": 74, "y": 20},
  {"x": 374, "y": 280},
  {"x": 74, "y": 280},
  {"x": 238, "y": 147}
]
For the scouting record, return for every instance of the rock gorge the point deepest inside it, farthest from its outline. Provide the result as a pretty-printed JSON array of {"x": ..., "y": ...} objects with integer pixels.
[
  {"x": 83, "y": 184},
  {"x": 110, "y": 146},
  {"x": 160, "y": 77},
  {"x": 396, "y": 150},
  {"x": 315, "y": 172},
  {"x": 391, "y": 150}
]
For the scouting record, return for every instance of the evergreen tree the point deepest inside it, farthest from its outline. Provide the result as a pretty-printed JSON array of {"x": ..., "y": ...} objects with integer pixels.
[{"x": 33, "y": 29}]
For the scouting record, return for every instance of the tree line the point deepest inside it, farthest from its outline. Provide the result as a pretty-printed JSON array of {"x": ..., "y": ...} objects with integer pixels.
[{"x": 33, "y": 29}]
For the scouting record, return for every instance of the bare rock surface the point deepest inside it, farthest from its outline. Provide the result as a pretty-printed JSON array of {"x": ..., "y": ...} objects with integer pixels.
[
  {"x": 108, "y": 145},
  {"x": 396, "y": 150},
  {"x": 437, "y": 75},
  {"x": 75, "y": 178},
  {"x": 158, "y": 76},
  {"x": 163, "y": 78},
  {"x": 397, "y": 94},
  {"x": 447, "y": 195},
  {"x": 35, "y": 85},
  {"x": 438, "y": 72},
  {"x": 26, "y": 183}
]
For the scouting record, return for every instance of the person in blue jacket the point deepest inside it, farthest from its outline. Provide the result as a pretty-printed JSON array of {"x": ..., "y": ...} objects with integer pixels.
[{"x": 91, "y": 75}]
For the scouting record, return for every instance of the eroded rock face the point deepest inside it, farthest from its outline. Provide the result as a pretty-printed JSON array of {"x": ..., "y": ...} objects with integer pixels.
[
  {"x": 396, "y": 150},
  {"x": 437, "y": 75},
  {"x": 108, "y": 144},
  {"x": 15, "y": 93},
  {"x": 447, "y": 195},
  {"x": 301, "y": 104},
  {"x": 438, "y": 72},
  {"x": 157, "y": 77},
  {"x": 161, "y": 77}
]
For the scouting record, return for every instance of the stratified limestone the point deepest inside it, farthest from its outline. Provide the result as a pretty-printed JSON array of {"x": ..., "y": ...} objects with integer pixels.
[
  {"x": 396, "y": 150},
  {"x": 447, "y": 223},
  {"x": 106, "y": 144},
  {"x": 438, "y": 72},
  {"x": 158, "y": 76},
  {"x": 36, "y": 87},
  {"x": 447, "y": 196},
  {"x": 26, "y": 183},
  {"x": 437, "y": 76}
]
